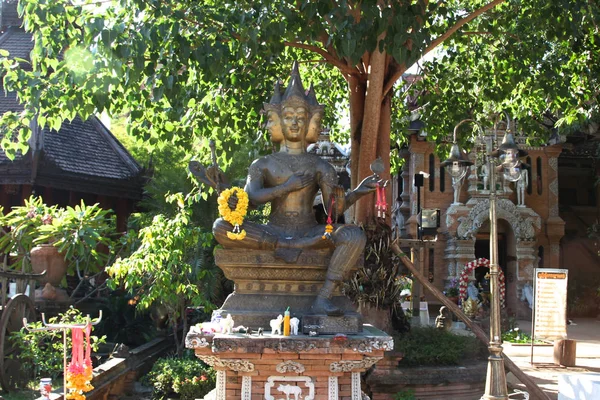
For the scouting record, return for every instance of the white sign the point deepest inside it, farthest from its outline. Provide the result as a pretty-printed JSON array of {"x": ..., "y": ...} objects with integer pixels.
[{"x": 550, "y": 304}]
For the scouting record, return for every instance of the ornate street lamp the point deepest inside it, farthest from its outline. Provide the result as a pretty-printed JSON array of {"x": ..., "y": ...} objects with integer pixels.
[
  {"x": 509, "y": 155},
  {"x": 458, "y": 161}
]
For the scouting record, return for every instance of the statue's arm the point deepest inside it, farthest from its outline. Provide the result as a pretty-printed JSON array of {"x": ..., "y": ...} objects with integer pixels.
[
  {"x": 329, "y": 186},
  {"x": 259, "y": 194}
]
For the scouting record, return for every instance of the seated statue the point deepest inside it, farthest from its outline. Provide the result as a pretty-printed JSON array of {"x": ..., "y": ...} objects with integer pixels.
[{"x": 290, "y": 179}]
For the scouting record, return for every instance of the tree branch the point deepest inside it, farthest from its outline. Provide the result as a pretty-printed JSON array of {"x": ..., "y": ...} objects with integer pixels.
[
  {"x": 512, "y": 35},
  {"x": 345, "y": 68},
  {"x": 460, "y": 23}
]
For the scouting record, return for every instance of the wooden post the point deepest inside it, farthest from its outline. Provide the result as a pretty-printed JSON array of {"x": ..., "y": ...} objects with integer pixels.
[
  {"x": 534, "y": 390},
  {"x": 565, "y": 352}
]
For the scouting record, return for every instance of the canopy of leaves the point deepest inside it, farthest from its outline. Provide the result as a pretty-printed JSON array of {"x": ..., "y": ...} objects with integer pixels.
[
  {"x": 539, "y": 61},
  {"x": 190, "y": 69}
]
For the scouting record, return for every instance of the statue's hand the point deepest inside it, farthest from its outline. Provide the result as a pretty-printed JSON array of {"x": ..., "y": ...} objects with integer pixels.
[
  {"x": 299, "y": 180},
  {"x": 369, "y": 184},
  {"x": 233, "y": 201}
]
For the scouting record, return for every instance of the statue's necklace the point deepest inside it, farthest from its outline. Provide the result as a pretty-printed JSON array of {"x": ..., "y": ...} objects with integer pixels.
[{"x": 295, "y": 162}]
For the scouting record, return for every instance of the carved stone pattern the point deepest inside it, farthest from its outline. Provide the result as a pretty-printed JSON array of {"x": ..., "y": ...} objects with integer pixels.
[
  {"x": 356, "y": 389},
  {"x": 291, "y": 346},
  {"x": 193, "y": 342},
  {"x": 222, "y": 345},
  {"x": 290, "y": 366},
  {"x": 555, "y": 248},
  {"x": 289, "y": 274},
  {"x": 333, "y": 388},
  {"x": 505, "y": 209},
  {"x": 451, "y": 268},
  {"x": 554, "y": 210},
  {"x": 220, "y": 385},
  {"x": 308, "y": 382},
  {"x": 347, "y": 366},
  {"x": 553, "y": 186},
  {"x": 246, "y": 387},
  {"x": 367, "y": 345},
  {"x": 232, "y": 364},
  {"x": 553, "y": 163},
  {"x": 253, "y": 258},
  {"x": 449, "y": 221}
]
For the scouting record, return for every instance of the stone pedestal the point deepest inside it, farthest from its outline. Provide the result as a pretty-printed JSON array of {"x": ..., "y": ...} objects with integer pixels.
[
  {"x": 265, "y": 286},
  {"x": 323, "y": 367}
]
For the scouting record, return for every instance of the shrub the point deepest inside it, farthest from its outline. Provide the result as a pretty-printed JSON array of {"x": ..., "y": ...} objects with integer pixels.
[
  {"x": 188, "y": 377},
  {"x": 430, "y": 346},
  {"x": 41, "y": 352}
]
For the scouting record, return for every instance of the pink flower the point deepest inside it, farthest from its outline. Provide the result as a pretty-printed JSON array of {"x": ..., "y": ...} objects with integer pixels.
[
  {"x": 203, "y": 378},
  {"x": 47, "y": 219}
]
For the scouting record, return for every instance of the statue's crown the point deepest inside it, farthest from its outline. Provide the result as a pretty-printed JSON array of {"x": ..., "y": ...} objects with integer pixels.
[{"x": 294, "y": 93}]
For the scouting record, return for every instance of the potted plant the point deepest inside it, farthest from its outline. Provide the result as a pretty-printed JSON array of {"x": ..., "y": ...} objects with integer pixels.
[
  {"x": 81, "y": 234},
  {"x": 20, "y": 228},
  {"x": 452, "y": 290},
  {"x": 57, "y": 240}
]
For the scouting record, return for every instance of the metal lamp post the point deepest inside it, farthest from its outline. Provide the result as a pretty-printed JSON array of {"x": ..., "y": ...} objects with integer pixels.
[
  {"x": 458, "y": 161},
  {"x": 509, "y": 154}
]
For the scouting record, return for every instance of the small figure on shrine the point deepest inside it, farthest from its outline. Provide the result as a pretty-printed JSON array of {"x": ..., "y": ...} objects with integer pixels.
[
  {"x": 486, "y": 176},
  {"x": 522, "y": 184},
  {"x": 457, "y": 185}
]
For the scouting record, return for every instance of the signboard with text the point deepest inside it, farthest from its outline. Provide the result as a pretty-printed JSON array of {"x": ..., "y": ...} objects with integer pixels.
[{"x": 550, "y": 304}]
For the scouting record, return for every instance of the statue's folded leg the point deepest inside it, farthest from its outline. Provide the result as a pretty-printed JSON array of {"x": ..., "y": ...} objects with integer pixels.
[
  {"x": 257, "y": 236},
  {"x": 349, "y": 243}
]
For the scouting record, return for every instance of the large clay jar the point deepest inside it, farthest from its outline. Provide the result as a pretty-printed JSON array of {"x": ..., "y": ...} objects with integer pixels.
[{"x": 46, "y": 257}]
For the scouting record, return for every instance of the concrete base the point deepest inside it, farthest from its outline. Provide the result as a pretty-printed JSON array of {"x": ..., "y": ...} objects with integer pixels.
[
  {"x": 266, "y": 285},
  {"x": 305, "y": 367},
  {"x": 578, "y": 386}
]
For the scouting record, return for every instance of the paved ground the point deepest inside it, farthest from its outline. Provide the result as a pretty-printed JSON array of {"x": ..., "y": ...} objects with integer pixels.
[{"x": 587, "y": 334}]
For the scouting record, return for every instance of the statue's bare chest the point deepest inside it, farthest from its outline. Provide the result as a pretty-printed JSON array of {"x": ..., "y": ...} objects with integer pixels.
[{"x": 281, "y": 167}]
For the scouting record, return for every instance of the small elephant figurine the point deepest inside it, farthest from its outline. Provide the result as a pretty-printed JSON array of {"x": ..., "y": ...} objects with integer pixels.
[
  {"x": 227, "y": 325},
  {"x": 294, "y": 323},
  {"x": 276, "y": 325}
]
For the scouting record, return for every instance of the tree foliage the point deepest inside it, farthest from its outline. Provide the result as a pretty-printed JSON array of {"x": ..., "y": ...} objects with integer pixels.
[
  {"x": 167, "y": 264},
  {"x": 201, "y": 69}
]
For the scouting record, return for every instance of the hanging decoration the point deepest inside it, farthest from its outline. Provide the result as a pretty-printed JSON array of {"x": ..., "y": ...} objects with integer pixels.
[
  {"x": 329, "y": 226},
  {"x": 79, "y": 370},
  {"x": 234, "y": 217},
  {"x": 466, "y": 272},
  {"x": 380, "y": 205}
]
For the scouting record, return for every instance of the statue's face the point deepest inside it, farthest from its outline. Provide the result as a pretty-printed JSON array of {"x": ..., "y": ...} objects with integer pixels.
[
  {"x": 274, "y": 126},
  {"x": 294, "y": 122}
]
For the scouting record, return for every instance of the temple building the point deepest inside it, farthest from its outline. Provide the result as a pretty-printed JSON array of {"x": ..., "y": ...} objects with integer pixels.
[
  {"x": 80, "y": 161},
  {"x": 532, "y": 225}
]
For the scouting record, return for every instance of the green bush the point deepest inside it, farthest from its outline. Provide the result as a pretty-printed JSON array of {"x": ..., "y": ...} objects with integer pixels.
[
  {"x": 41, "y": 352},
  {"x": 430, "y": 346},
  {"x": 187, "y": 377}
]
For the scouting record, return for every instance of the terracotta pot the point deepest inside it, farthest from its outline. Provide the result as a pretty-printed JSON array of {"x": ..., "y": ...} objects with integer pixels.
[{"x": 46, "y": 257}]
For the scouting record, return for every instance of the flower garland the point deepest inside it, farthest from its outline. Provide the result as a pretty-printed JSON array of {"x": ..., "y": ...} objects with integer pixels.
[
  {"x": 234, "y": 217},
  {"x": 329, "y": 226},
  {"x": 466, "y": 272},
  {"x": 79, "y": 370}
]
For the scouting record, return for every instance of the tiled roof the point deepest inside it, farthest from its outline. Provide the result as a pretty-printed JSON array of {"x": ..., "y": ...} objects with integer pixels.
[
  {"x": 17, "y": 42},
  {"x": 82, "y": 152}
]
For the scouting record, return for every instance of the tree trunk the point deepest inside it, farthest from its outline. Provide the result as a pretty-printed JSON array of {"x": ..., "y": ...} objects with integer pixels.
[
  {"x": 358, "y": 89},
  {"x": 369, "y": 138}
]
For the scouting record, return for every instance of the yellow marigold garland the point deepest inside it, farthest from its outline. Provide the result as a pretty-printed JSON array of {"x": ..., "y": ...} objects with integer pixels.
[
  {"x": 79, "y": 371},
  {"x": 234, "y": 217}
]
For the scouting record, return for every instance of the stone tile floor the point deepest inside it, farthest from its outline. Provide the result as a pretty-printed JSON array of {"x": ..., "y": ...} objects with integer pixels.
[{"x": 586, "y": 331}]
